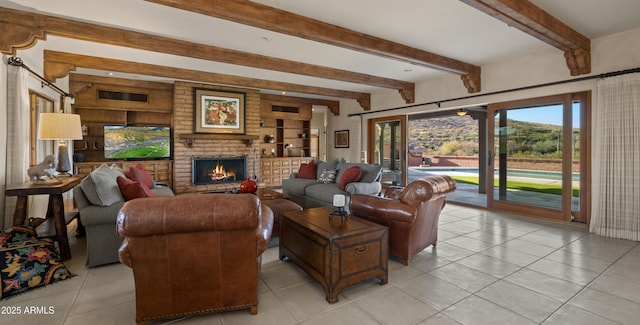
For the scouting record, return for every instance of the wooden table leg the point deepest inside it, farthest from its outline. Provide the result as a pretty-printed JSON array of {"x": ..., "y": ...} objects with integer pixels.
[
  {"x": 56, "y": 211},
  {"x": 20, "y": 212}
]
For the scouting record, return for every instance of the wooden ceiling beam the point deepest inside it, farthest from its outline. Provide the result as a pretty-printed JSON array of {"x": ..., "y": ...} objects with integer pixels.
[
  {"x": 536, "y": 22},
  {"x": 59, "y": 64},
  {"x": 26, "y": 28},
  {"x": 273, "y": 19}
]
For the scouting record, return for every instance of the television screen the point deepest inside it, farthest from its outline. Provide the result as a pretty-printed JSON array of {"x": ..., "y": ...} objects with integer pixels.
[{"x": 137, "y": 142}]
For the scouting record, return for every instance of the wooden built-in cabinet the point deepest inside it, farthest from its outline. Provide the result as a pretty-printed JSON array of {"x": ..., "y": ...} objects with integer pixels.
[
  {"x": 290, "y": 138},
  {"x": 274, "y": 170},
  {"x": 288, "y": 124},
  {"x": 104, "y": 101},
  {"x": 160, "y": 170},
  {"x": 92, "y": 144}
]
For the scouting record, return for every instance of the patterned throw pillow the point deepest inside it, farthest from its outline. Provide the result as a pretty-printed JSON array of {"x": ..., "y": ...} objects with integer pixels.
[
  {"x": 328, "y": 176},
  {"x": 28, "y": 262}
]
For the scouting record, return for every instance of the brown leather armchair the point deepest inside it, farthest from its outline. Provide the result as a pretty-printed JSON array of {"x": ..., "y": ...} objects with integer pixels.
[
  {"x": 410, "y": 213},
  {"x": 194, "y": 253}
]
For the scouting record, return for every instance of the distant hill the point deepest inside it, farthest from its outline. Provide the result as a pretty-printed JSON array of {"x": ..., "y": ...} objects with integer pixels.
[
  {"x": 458, "y": 135},
  {"x": 430, "y": 135}
]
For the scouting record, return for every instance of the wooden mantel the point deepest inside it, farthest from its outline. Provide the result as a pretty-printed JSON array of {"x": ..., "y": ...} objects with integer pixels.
[{"x": 189, "y": 138}]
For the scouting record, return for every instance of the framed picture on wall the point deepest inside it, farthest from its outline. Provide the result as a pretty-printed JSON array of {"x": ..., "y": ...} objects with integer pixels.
[
  {"x": 220, "y": 112},
  {"x": 341, "y": 139}
]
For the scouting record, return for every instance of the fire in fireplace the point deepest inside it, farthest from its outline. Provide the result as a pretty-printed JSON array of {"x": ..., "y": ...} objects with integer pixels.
[{"x": 218, "y": 170}]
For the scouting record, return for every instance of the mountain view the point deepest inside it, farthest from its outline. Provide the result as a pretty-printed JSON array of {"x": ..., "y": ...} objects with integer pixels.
[{"x": 458, "y": 136}]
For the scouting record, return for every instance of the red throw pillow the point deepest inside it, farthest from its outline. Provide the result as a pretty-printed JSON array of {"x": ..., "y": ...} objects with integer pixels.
[
  {"x": 350, "y": 175},
  {"x": 132, "y": 190},
  {"x": 307, "y": 170},
  {"x": 139, "y": 174}
]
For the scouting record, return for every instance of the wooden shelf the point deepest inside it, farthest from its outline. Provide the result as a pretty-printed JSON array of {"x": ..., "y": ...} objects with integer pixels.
[{"x": 189, "y": 138}]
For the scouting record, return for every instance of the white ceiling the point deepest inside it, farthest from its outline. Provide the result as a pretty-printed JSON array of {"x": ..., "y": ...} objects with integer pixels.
[{"x": 445, "y": 27}]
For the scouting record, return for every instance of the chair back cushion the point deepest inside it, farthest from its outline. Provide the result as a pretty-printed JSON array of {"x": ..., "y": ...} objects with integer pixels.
[{"x": 194, "y": 253}]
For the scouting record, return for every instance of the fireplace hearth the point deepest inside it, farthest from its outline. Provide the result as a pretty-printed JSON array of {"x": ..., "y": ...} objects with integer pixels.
[{"x": 218, "y": 170}]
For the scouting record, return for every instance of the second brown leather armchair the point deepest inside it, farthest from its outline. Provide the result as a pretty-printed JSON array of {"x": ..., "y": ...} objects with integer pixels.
[
  {"x": 194, "y": 253},
  {"x": 410, "y": 213}
]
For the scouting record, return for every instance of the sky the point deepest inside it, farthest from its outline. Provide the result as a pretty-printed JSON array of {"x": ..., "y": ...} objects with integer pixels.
[{"x": 544, "y": 114}]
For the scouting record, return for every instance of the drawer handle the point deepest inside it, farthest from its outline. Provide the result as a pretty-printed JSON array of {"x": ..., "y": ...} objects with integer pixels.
[{"x": 362, "y": 251}]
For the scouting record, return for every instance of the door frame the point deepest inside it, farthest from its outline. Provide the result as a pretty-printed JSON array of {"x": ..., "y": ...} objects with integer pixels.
[
  {"x": 566, "y": 213},
  {"x": 371, "y": 124}
]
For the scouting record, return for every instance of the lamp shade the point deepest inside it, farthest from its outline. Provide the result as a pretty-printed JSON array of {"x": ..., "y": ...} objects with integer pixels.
[{"x": 59, "y": 126}]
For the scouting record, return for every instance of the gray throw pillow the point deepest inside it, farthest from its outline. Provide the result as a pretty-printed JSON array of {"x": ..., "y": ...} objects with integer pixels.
[
  {"x": 101, "y": 188},
  {"x": 328, "y": 176}
]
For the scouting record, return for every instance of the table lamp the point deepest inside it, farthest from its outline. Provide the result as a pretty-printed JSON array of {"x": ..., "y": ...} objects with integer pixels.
[{"x": 61, "y": 127}]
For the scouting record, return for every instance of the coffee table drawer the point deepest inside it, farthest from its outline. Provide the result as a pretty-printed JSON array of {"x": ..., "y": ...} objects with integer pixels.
[{"x": 360, "y": 258}]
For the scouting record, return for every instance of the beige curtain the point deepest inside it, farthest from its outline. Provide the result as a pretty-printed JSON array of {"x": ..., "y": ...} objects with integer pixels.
[
  {"x": 17, "y": 134},
  {"x": 3, "y": 133},
  {"x": 616, "y": 158}
]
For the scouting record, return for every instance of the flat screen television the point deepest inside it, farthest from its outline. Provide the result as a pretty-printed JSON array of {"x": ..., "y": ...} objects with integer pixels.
[{"x": 137, "y": 142}]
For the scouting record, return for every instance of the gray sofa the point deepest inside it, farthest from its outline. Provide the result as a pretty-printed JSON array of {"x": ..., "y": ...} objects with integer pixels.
[
  {"x": 98, "y": 200},
  {"x": 310, "y": 193}
]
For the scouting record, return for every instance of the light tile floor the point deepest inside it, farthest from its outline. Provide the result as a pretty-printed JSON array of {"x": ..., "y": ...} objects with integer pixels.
[{"x": 488, "y": 268}]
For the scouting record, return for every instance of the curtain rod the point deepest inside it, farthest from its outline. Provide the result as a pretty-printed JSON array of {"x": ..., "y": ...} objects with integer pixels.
[
  {"x": 554, "y": 83},
  {"x": 17, "y": 62}
]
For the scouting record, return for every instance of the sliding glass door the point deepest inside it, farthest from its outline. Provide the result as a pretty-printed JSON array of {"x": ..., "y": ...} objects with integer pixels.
[
  {"x": 538, "y": 157},
  {"x": 387, "y": 147}
]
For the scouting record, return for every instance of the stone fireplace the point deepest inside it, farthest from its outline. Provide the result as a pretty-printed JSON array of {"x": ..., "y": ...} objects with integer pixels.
[
  {"x": 218, "y": 170},
  {"x": 211, "y": 145}
]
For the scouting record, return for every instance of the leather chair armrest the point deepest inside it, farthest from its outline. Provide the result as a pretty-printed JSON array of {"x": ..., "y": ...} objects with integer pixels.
[
  {"x": 382, "y": 208},
  {"x": 265, "y": 228},
  {"x": 123, "y": 253},
  {"x": 393, "y": 192}
]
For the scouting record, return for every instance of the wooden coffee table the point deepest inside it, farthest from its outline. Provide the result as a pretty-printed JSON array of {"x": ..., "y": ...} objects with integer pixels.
[
  {"x": 335, "y": 254},
  {"x": 265, "y": 193}
]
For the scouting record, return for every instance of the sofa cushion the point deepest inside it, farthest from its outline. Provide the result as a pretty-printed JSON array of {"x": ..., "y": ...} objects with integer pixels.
[
  {"x": 100, "y": 186},
  {"x": 322, "y": 165},
  {"x": 297, "y": 185},
  {"x": 140, "y": 174},
  {"x": 308, "y": 171},
  {"x": 324, "y": 192},
  {"x": 370, "y": 173},
  {"x": 161, "y": 190},
  {"x": 350, "y": 175},
  {"x": 131, "y": 189},
  {"x": 328, "y": 176}
]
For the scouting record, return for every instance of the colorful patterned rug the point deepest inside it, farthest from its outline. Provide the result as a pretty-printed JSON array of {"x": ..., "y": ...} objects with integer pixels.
[{"x": 28, "y": 262}]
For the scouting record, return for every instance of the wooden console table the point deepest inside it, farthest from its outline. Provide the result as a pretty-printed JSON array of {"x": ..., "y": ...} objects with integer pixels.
[{"x": 55, "y": 208}]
